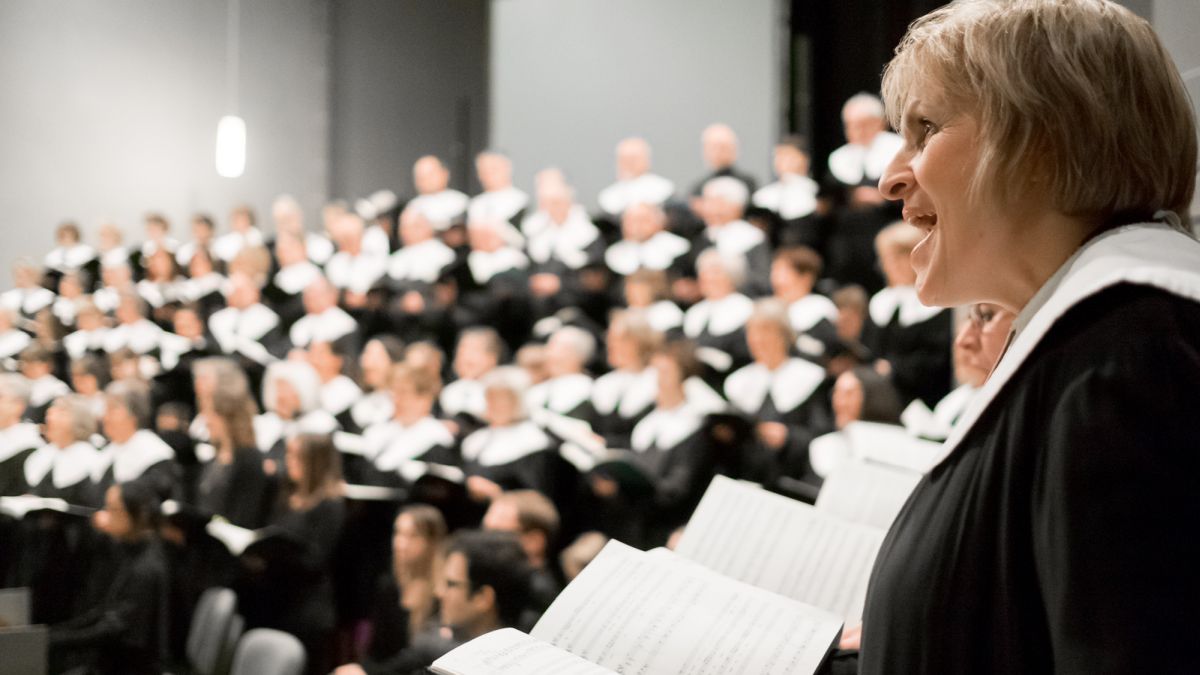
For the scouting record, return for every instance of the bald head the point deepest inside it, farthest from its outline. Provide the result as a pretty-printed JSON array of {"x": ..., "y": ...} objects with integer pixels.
[
  {"x": 863, "y": 118},
  {"x": 720, "y": 145},
  {"x": 494, "y": 170}
]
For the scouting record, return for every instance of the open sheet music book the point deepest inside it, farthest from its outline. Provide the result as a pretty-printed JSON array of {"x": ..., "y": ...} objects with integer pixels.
[
  {"x": 759, "y": 584},
  {"x": 655, "y": 612}
]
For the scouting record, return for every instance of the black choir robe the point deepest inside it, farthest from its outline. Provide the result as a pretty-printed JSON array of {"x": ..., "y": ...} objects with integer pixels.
[
  {"x": 495, "y": 292},
  {"x": 401, "y": 454},
  {"x": 284, "y": 295},
  {"x": 239, "y": 491},
  {"x": 519, "y": 457},
  {"x": 739, "y": 239},
  {"x": 915, "y": 339},
  {"x": 254, "y": 336},
  {"x": 418, "y": 268},
  {"x": 17, "y": 442},
  {"x": 674, "y": 448},
  {"x": 144, "y": 458},
  {"x": 718, "y": 329},
  {"x": 794, "y": 395},
  {"x": 568, "y": 395},
  {"x": 1057, "y": 532},
  {"x": 814, "y": 319},
  {"x": 570, "y": 251},
  {"x": 621, "y": 399}
]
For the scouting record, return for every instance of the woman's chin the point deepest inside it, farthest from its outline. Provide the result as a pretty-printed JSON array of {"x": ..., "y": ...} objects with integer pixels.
[{"x": 931, "y": 293}]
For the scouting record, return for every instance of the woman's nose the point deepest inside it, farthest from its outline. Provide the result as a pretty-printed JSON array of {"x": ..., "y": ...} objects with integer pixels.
[{"x": 897, "y": 179}]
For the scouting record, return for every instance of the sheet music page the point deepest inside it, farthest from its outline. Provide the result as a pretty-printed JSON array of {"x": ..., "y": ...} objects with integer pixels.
[
  {"x": 636, "y": 612},
  {"x": 892, "y": 445},
  {"x": 508, "y": 651},
  {"x": 869, "y": 494},
  {"x": 783, "y": 546},
  {"x": 235, "y": 538}
]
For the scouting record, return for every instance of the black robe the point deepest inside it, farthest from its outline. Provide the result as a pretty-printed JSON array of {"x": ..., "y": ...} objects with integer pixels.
[
  {"x": 916, "y": 340},
  {"x": 1058, "y": 535}
]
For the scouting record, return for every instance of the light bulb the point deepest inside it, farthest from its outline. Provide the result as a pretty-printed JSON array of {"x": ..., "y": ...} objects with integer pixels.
[{"x": 231, "y": 146}]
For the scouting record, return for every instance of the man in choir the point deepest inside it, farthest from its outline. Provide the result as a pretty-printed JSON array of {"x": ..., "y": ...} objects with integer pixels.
[
  {"x": 794, "y": 272},
  {"x": 499, "y": 200},
  {"x": 247, "y": 329},
  {"x": 323, "y": 320},
  {"x": 413, "y": 274},
  {"x": 289, "y": 217},
  {"x": 70, "y": 254},
  {"x": 532, "y": 517},
  {"x": 792, "y": 199},
  {"x": 28, "y": 297},
  {"x": 568, "y": 390},
  {"x": 646, "y": 243},
  {"x": 353, "y": 270},
  {"x": 497, "y": 288},
  {"x": 563, "y": 244},
  {"x": 441, "y": 204},
  {"x": 158, "y": 237},
  {"x": 625, "y": 394},
  {"x": 338, "y": 392},
  {"x": 203, "y": 232},
  {"x": 133, "y": 329},
  {"x": 720, "y": 149},
  {"x": 242, "y": 234},
  {"x": 479, "y": 351},
  {"x": 134, "y": 453},
  {"x": 381, "y": 211},
  {"x": 724, "y": 205},
  {"x": 910, "y": 341},
  {"x": 18, "y": 438},
  {"x": 860, "y": 210},
  {"x": 635, "y": 183},
  {"x": 401, "y": 447},
  {"x": 284, "y": 294},
  {"x": 37, "y": 365}
]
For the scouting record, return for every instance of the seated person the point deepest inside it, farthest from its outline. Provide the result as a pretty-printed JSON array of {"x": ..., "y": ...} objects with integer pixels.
[
  {"x": 125, "y": 633},
  {"x": 792, "y": 199},
  {"x": 62, "y": 467},
  {"x": 568, "y": 390},
  {"x": 635, "y": 182},
  {"x": 18, "y": 438},
  {"x": 813, "y": 317}
]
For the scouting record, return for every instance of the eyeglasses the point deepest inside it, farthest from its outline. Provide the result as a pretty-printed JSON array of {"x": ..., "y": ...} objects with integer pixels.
[
  {"x": 981, "y": 314},
  {"x": 453, "y": 583}
]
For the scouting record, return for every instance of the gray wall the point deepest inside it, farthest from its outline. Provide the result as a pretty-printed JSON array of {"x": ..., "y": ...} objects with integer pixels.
[
  {"x": 1178, "y": 24},
  {"x": 111, "y": 110},
  {"x": 572, "y": 77},
  {"x": 410, "y": 78}
]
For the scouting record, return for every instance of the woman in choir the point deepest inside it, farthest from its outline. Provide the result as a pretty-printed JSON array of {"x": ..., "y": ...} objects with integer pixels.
[
  {"x": 134, "y": 453},
  {"x": 18, "y": 438},
  {"x": 233, "y": 485},
  {"x": 285, "y": 292},
  {"x": 413, "y": 274},
  {"x": 717, "y": 323},
  {"x": 648, "y": 292},
  {"x": 290, "y": 399},
  {"x": 402, "y": 448},
  {"x": 338, "y": 391},
  {"x": 480, "y": 350},
  {"x": 298, "y": 588},
  {"x": 406, "y": 606},
  {"x": 380, "y": 354},
  {"x": 568, "y": 388},
  {"x": 860, "y": 394},
  {"x": 12, "y": 339},
  {"x": 61, "y": 468},
  {"x": 204, "y": 284},
  {"x": 1049, "y": 160},
  {"x": 910, "y": 340},
  {"x": 28, "y": 297},
  {"x": 794, "y": 273},
  {"x": 133, "y": 329},
  {"x": 91, "y": 328},
  {"x": 70, "y": 296},
  {"x": 785, "y": 397},
  {"x": 511, "y": 452},
  {"x": 37, "y": 364},
  {"x": 161, "y": 286},
  {"x": 626, "y": 394},
  {"x": 125, "y": 632}
]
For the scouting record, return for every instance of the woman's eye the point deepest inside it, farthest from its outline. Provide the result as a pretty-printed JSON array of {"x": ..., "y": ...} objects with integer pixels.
[{"x": 926, "y": 129}]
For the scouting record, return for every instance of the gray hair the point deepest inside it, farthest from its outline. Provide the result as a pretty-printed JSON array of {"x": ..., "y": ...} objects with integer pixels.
[
  {"x": 134, "y": 396},
  {"x": 15, "y": 385},
  {"x": 579, "y": 340},
  {"x": 512, "y": 379},
  {"x": 83, "y": 421},
  {"x": 728, "y": 189},
  {"x": 868, "y": 103},
  {"x": 734, "y": 266}
]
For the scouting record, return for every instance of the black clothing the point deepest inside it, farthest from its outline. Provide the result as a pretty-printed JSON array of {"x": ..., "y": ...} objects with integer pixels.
[
  {"x": 239, "y": 491},
  {"x": 1058, "y": 535}
]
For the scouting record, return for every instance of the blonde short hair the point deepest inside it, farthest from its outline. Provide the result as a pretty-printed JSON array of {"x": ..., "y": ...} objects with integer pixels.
[{"x": 1076, "y": 99}]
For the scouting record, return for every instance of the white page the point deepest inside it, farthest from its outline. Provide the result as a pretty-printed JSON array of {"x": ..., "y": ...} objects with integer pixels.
[
  {"x": 869, "y": 494},
  {"x": 651, "y": 613},
  {"x": 508, "y": 651},
  {"x": 18, "y": 506},
  {"x": 235, "y": 538},
  {"x": 892, "y": 445},
  {"x": 783, "y": 546}
]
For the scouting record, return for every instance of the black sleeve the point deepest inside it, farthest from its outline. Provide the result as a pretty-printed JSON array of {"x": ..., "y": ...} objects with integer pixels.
[{"x": 250, "y": 492}]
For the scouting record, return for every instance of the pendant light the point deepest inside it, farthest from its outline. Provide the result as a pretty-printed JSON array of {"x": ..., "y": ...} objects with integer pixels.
[{"x": 231, "y": 130}]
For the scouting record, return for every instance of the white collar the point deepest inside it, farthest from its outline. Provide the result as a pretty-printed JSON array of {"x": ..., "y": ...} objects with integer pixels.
[
  {"x": 423, "y": 261},
  {"x": 327, "y": 326},
  {"x": 495, "y": 446},
  {"x": 80, "y": 341},
  {"x": 884, "y": 304},
  {"x": 28, "y": 300},
  {"x": 227, "y": 246},
  {"x": 319, "y": 248},
  {"x": 735, "y": 238},
  {"x": 665, "y": 429},
  {"x": 810, "y": 310},
  {"x": 791, "y": 196},
  {"x": 624, "y": 393},
  {"x": 357, "y": 273},
  {"x": 463, "y": 396},
  {"x": 497, "y": 205},
  {"x": 664, "y": 315},
  {"x": 566, "y": 242},
  {"x": 486, "y": 264},
  {"x": 12, "y": 342},
  {"x": 1149, "y": 255},
  {"x": 199, "y": 287},
  {"x": 296, "y": 277},
  {"x": 46, "y": 388},
  {"x": 656, "y": 253},
  {"x": 647, "y": 188},
  {"x": 141, "y": 337},
  {"x": 66, "y": 467},
  {"x": 560, "y": 394},
  {"x": 852, "y": 164},
  {"x": 338, "y": 394},
  {"x": 71, "y": 257},
  {"x": 130, "y": 459},
  {"x": 231, "y": 325},
  {"x": 372, "y": 408},
  {"x": 789, "y": 385},
  {"x": 18, "y": 438},
  {"x": 406, "y": 443},
  {"x": 270, "y": 428},
  {"x": 718, "y": 317},
  {"x": 441, "y": 208}
]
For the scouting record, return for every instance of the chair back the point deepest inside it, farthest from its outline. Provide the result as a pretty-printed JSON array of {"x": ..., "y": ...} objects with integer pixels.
[
  {"x": 208, "y": 636},
  {"x": 265, "y": 651}
]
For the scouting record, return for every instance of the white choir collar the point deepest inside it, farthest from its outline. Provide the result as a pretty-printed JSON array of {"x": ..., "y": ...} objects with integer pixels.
[
  {"x": 356, "y": 273},
  {"x": 647, "y": 188},
  {"x": 231, "y": 325},
  {"x": 665, "y": 429},
  {"x": 735, "y": 238},
  {"x": 1143, "y": 254},
  {"x": 852, "y": 164},
  {"x": 372, "y": 408},
  {"x": 718, "y": 317},
  {"x": 566, "y": 242},
  {"x": 142, "y": 337},
  {"x": 496, "y": 446},
  {"x": 485, "y": 265},
  {"x": 406, "y": 443},
  {"x": 810, "y": 310},
  {"x": 46, "y": 388},
  {"x": 789, "y": 385},
  {"x": 12, "y": 342},
  {"x": 664, "y": 316},
  {"x": 464, "y": 396},
  {"x": 884, "y": 304},
  {"x": 330, "y": 325},
  {"x": 656, "y": 253},
  {"x": 28, "y": 301},
  {"x": 66, "y": 466},
  {"x": 792, "y": 196},
  {"x": 296, "y": 277},
  {"x": 624, "y": 393},
  {"x": 19, "y": 437},
  {"x": 441, "y": 209},
  {"x": 338, "y": 394},
  {"x": 497, "y": 205},
  {"x": 560, "y": 394},
  {"x": 423, "y": 261},
  {"x": 129, "y": 460}
]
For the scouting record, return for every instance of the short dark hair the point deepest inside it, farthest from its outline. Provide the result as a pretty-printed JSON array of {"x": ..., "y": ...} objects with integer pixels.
[
  {"x": 794, "y": 141},
  {"x": 802, "y": 259},
  {"x": 881, "y": 402},
  {"x": 496, "y": 559}
]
